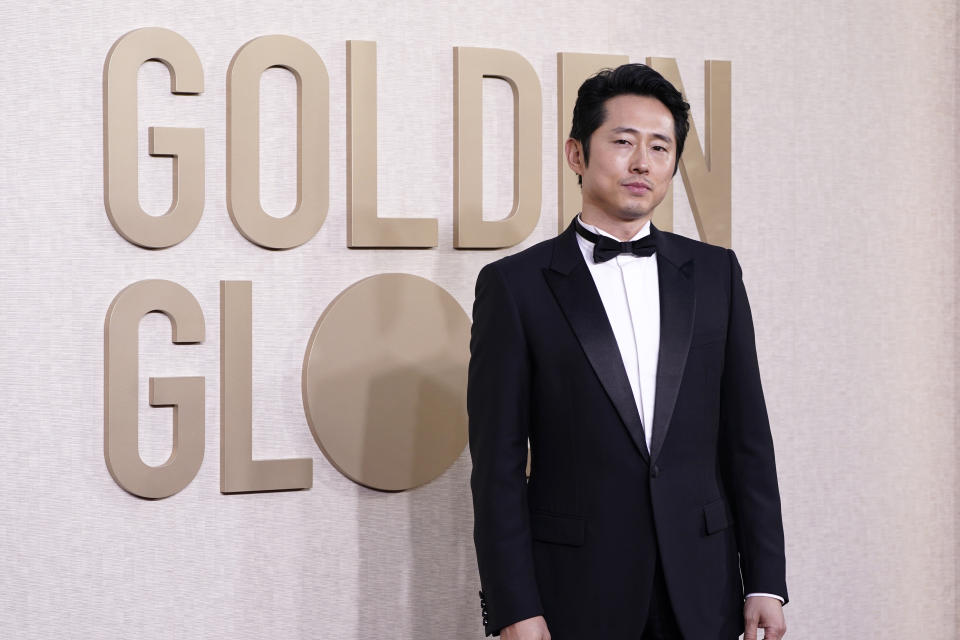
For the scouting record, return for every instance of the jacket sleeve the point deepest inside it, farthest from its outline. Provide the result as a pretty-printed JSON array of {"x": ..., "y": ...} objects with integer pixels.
[
  {"x": 498, "y": 391},
  {"x": 747, "y": 457}
]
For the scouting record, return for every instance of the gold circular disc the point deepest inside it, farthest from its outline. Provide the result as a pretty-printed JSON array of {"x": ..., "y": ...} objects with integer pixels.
[{"x": 385, "y": 379}]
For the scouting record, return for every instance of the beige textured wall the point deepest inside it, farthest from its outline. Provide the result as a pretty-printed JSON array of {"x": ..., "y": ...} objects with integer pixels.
[
  {"x": 845, "y": 159},
  {"x": 956, "y": 310}
]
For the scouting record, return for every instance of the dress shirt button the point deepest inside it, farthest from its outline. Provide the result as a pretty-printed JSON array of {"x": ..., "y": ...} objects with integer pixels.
[{"x": 654, "y": 471}]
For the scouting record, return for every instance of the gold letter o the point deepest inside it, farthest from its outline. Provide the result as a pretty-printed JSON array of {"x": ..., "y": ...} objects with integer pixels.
[{"x": 384, "y": 381}]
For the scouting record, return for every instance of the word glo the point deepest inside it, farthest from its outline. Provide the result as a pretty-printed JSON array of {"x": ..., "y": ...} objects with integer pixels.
[{"x": 383, "y": 381}]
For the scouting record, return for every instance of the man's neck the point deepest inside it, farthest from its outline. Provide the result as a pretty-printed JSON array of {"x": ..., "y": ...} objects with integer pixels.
[{"x": 623, "y": 230}]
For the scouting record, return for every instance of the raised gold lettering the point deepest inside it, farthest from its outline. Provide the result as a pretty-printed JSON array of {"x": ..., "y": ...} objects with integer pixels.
[
  {"x": 364, "y": 228},
  {"x": 706, "y": 170},
  {"x": 120, "y": 158},
  {"x": 471, "y": 65},
  {"x": 384, "y": 381},
  {"x": 239, "y": 472},
  {"x": 243, "y": 141},
  {"x": 121, "y": 378}
]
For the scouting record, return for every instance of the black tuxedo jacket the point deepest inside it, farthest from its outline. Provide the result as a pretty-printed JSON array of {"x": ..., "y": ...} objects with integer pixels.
[{"x": 578, "y": 542}]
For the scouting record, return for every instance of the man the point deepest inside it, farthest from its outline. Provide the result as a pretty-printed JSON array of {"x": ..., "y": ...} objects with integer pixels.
[{"x": 652, "y": 504}]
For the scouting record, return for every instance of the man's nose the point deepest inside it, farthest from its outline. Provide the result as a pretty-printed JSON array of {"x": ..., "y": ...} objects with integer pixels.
[{"x": 639, "y": 161}]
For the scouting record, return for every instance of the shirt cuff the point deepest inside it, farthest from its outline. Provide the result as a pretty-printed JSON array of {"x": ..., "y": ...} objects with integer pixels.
[{"x": 768, "y": 595}]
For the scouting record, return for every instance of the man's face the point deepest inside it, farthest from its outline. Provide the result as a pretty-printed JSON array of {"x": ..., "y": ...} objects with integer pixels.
[{"x": 632, "y": 158}]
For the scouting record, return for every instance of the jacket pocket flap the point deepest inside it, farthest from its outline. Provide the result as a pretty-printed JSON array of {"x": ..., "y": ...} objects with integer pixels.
[
  {"x": 557, "y": 529},
  {"x": 715, "y": 516}
]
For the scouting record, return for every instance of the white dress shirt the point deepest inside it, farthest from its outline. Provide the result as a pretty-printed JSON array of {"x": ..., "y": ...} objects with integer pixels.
[{"x": 630, "y": 291}]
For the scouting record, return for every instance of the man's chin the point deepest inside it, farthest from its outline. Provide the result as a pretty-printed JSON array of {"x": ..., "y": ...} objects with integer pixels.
[{"x": 634, "y": 215}]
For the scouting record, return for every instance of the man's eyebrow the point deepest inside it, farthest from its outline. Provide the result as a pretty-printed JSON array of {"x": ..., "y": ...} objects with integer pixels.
[{"x": 658, "y": 136}]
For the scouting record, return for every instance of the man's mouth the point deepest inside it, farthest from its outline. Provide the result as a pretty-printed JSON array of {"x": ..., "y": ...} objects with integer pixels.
[{"x": 637, "y": 188}]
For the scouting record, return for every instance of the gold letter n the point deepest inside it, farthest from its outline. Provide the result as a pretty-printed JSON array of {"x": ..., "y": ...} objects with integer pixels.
[{"x": 705, "y": 169}]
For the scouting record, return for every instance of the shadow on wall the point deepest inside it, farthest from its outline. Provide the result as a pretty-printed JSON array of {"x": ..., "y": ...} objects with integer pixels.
[{"x": 417, "y": 568}]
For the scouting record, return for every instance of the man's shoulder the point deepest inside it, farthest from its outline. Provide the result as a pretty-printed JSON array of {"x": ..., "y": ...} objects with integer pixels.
[
  {"x": 705, "y": 258},
  {"x": 530, "y": 260},
  {"x": 695, "y": 248}
]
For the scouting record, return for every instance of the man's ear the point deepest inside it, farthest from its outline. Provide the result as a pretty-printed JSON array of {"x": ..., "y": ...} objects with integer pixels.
[{"x": 574, "y": 152}]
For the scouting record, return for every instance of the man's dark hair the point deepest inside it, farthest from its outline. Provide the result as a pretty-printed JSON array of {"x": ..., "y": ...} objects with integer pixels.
[{"x": 630, "y": 79}]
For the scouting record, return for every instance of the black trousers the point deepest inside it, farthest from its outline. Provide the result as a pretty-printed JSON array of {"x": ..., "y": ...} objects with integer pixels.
[{"x": 661, "y": 621}]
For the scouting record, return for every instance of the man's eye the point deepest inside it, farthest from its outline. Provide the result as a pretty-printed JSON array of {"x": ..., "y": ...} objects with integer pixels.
[
  {"x": 659, "y": 148},
  {"x": 622, "y": 142}
]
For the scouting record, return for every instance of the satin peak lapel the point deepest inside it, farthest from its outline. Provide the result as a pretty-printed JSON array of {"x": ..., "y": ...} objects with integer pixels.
[
  {"x": 678, "y": 304},
  {"x": 572, "y": 285}
]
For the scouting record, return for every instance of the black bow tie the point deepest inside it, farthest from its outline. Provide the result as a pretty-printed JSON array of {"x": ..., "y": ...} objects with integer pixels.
[{"x": 605, "y": 247}]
